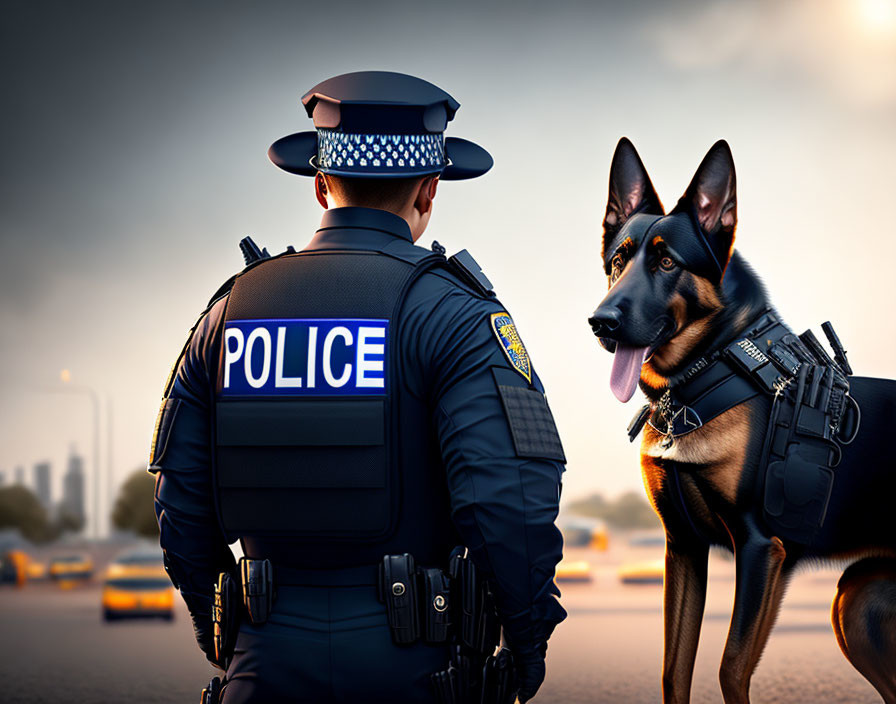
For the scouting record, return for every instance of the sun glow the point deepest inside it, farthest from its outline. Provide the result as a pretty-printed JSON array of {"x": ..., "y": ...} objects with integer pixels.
[{"x": 878, "y": 16}]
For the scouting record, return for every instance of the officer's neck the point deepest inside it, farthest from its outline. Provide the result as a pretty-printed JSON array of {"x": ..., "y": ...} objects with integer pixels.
[{"x": 415, "y": 220}]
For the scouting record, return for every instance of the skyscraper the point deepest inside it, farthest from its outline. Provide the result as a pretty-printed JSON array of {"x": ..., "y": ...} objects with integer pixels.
[
  {"x": 20, "y": 475},
  {"x": 73, "y": 488},
  {"x": 42, "y": 483}
]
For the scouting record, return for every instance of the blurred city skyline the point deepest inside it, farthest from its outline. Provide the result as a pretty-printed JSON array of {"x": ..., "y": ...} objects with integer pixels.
[{"x": 135, "y": 136}]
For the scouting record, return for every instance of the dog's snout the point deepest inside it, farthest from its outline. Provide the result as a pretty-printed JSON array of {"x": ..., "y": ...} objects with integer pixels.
[{"x": 605, "y": 321}]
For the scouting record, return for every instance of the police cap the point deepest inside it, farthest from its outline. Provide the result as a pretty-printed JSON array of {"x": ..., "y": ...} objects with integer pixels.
[{"x": 379, "y": 124}]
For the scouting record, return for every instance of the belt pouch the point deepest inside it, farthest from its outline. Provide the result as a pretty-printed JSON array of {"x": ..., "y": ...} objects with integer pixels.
[
  {"x": 258, "y": 589},
  {"x": 398, "y": 590},
  {"x": 225, "y": 618},
  {"x": 436, "y": 605},
  {"x": 498, "y": 681},
  {"x": 463, "y": 574}
]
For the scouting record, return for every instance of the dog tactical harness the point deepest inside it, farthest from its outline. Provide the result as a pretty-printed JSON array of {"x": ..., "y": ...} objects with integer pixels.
[{"x": 812, "y": 416}]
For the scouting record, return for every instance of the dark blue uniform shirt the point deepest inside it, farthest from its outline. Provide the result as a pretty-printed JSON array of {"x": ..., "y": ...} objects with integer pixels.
[{"x": 503, "y": 506}]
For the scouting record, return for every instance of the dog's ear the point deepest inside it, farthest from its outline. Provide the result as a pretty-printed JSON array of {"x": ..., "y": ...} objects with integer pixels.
[
  {"x": 630, "y": 190},
  {"x": 713, "y": 196}
]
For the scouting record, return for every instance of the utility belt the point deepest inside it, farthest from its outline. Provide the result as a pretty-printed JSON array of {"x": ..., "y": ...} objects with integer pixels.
[
  {"x": 438, "y": 606},
  {"x": 453, "y": 608}
]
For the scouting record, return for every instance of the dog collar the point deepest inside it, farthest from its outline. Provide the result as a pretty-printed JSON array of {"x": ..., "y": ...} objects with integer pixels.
[{"x": 760, "y": 361}]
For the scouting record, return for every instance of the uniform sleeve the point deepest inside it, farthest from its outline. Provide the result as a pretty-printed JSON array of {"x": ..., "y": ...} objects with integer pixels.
[
  {"x": 502, "y": 457},
  {"x": 192, "y": 543}
]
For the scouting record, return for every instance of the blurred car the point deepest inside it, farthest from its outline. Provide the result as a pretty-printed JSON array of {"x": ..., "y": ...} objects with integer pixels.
[
  {"x": 36, "y": 571},
  {"x": 573, "y": 571},
  {"x": 68, "y": 569},
  {"x": 600, "y": 538},
  {"x": 136, "y": 563},
  {"x": 137, "y": 596},
  {"x": 650, "y": 572},
  {"x": 136, "y": 585},
  {"x": 648, "y": 539},
  {"x": 584, "y": 532},
  {"x": 13, "y": 565}
]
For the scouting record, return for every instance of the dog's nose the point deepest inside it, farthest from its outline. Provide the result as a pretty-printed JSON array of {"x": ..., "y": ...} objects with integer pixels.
[{"x": 605, "y": 321}]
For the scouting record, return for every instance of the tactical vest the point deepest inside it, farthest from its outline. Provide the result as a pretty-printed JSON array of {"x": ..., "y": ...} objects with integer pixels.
[{"x": 306, "y": 446}]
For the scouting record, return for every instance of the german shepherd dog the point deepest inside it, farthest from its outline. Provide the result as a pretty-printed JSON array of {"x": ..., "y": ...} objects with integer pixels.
[{"x": 658, "y": 317}]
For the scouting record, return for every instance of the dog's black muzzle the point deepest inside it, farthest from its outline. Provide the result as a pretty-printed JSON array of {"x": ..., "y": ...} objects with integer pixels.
[{"x": 604, "y": 323}]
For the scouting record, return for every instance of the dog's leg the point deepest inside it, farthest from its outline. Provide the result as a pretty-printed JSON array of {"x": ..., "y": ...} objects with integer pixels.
[
  {"x": 760, "y": 583},
  {"x": 684, "y": 596},
  {"x": 864, "y": 619}
]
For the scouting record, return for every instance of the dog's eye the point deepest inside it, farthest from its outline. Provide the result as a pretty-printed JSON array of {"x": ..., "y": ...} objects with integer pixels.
[
  {"x": 616, "y": 263},
  {"x": 667, "y": 264}
]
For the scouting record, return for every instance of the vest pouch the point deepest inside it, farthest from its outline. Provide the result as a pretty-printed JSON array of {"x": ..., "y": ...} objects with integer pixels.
[{"x": 310, "y": 467}]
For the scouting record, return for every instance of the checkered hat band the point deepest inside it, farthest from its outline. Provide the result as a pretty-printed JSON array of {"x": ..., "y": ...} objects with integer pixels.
[{"x": 380, "y": 153}]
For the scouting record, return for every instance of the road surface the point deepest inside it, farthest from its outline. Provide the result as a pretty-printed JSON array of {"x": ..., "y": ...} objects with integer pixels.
[{"x": 55, "y": 648}]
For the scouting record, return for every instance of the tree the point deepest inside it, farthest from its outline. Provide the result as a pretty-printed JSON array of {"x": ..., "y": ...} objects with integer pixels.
[
  {"x": 133, "y": 509},
  {"x": 20, "y": 508}
]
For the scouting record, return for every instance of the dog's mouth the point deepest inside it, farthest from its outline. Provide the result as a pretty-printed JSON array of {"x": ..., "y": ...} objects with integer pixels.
[{"x": 628, "y": 360}]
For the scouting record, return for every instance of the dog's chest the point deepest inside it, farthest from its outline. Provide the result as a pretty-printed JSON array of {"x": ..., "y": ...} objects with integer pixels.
[{"x": 710, "y": 460}]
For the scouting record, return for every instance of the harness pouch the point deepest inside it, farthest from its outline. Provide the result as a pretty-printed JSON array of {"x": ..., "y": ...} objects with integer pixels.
[
  {"x": 797, "y": 492},
  {"x": 799, "y": 476}
]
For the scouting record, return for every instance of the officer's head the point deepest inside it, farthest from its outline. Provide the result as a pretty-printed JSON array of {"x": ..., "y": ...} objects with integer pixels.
[
  {"x": 410, "y": 198},
  {"x": 379, "y": 143}
]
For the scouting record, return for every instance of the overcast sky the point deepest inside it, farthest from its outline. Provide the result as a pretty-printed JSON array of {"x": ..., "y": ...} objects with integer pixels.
[{"x": 134, "y": 140}]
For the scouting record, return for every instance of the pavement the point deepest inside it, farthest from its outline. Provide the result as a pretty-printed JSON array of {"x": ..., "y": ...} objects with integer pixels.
[{"x": 54, "y": 647}]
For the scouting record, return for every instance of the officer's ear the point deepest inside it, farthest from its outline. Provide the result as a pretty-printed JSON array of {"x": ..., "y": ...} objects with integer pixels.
[
  {"x": 321, "y": 190},
  {"x": 630, "y": 190},
  {"x": 713, "y": 195},
  {"x": 426, "y": 193}
]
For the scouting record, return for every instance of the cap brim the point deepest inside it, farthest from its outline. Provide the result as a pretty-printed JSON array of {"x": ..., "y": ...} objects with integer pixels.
[
  {"x": 295, "y": 153},
  {"x": 465, "y": 159}
]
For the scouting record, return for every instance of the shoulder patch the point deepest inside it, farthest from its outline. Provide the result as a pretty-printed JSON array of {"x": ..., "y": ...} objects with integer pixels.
[{"x": 509, "y": 339}]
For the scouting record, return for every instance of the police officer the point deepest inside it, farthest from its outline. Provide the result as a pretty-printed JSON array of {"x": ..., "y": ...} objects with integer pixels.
[{"x": 359, "y": 398}]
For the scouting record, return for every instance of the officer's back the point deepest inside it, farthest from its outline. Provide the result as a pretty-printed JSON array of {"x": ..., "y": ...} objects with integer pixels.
[{"x": 360, "y": 398}]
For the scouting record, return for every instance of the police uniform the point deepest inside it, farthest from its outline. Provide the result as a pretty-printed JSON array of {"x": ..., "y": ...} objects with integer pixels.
[{"x": 359, "y": 398}]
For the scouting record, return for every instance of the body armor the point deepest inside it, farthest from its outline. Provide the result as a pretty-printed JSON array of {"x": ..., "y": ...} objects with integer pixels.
[{"x": 309, "y": 407}]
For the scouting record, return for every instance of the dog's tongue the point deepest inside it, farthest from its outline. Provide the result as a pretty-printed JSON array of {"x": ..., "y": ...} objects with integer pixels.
[{"x": 627, "y": 363}]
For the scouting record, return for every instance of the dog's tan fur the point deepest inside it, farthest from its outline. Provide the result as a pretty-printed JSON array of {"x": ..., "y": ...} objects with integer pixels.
[{"x": 720, "y": 445}]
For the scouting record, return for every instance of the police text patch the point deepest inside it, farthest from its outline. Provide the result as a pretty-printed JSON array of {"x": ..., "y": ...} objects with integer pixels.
[
  {"x": 510, "y": 341},
  {"x": 309, "y": 356}
]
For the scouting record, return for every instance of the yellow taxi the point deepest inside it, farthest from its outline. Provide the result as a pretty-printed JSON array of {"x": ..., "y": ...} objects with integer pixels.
[
  {"x": 573, "y": 571},
  {"x": 35, "y": 571},
  {"x": 600, "y": 538},
  {"x": 136, "y": 585},
  {"x": 13, "y": 566},
  {"x": 69, "y": 569},
  {"x": 648, "y": 572},
  {"x": 136, "y": 563}
]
